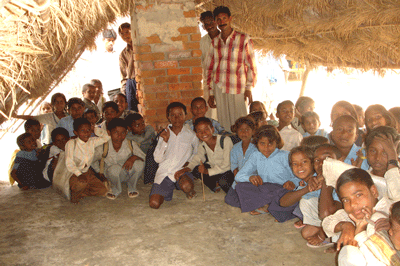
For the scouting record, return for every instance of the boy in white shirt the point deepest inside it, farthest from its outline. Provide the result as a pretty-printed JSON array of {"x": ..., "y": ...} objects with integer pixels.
[
  {"x": 176, "y": 145},
  {"x": 79, "y": 155},
  {"x": 290, "y": 136},
  {"x": 123, "y": 160}
]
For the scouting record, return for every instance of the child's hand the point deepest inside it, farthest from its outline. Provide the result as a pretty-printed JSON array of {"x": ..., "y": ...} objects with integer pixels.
[
  {"x": 129, "y": 163},
  {"x": 256, "y": 180},
  {"x": 289, "y": 185},
  {"x": 181, "y": 172},
  {"x": 347, "y": 236},
  {"x": 360, "y": 158},
  {"x": 382, "y": 225},
  {"x": 235, "y": 171},
  {"x": 165, "y": 134},
  {"x": 361, "y": 224},
  {"x": 202, "y": 169},
  {"x": 389, "y": 146},
  {"x": 314, "y": 184}
]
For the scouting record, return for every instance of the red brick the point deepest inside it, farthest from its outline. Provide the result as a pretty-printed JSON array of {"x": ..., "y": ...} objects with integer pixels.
[
  {"x": 195, "y": 37},
  {"x": 168, "y": 95},
  {"x": 186, "y": 30},
  {"x": 167, "y": 79},
  {"x": 191, "y": 45},
  {"x": 157, "y": 103},
  {"x": 150, "y": 96},
  {"x": 166, "y": 64},
  {"x": 180, "y": 54},
  {"x": 196, "y": 53},
  {"x": 148, "y": 81},
  {"x": 197, "y": 85},
  {"x": 192, "y": 93},
  {"x": 189, "y": 14},
  {"x": 149, "y": 112},
  {"x": 190, "y": 62},
  {"x": 161, "y": 112},
  {"x": 153, "y": 39},
  {"x": 178, "y": 71},
  {"x": 149, "y": 57},
  {"x": 197, "y": 70},
  {"x": 143, "y": 49},
  {"x": 182, "y": 38},
  {"x": 156, "y": 88},
  {"x": 143, "y": 8},
  {"x": 190, "y": 78},
  {"x": 180, "y": 86},
  {"x": 153, "y": 73},
  {"x": 146, "y": 66}
]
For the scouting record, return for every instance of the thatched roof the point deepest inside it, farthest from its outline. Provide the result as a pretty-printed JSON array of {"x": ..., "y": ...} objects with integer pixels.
[
  {"x": 41, "y": 40},
  {"x": 341, "y": 33}
]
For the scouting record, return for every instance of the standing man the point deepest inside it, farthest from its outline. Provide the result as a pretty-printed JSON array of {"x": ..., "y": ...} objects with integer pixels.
[
  {"x": 207, "y": 19},
  {"x": 231, "y": 72},
  {"x": 127, "y": 68}
]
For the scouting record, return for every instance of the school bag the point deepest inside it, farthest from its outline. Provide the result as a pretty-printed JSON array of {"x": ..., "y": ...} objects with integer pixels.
[{"x": 150, "y": 165}]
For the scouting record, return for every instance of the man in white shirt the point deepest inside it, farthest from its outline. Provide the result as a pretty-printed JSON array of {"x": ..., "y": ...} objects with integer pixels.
[
  {"x": 123, "y": 160},
  {"x": 176, "y": 146}
]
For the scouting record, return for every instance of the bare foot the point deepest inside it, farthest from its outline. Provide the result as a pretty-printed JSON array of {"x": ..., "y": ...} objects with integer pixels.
[
  {"x": 316, "y": 239},
  {"x": 262, "y": 210},
  {"x": 299, "y": 224}
]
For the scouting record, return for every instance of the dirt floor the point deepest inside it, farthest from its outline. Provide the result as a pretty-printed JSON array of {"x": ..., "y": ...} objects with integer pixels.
[{"x": 43, "y": 228}]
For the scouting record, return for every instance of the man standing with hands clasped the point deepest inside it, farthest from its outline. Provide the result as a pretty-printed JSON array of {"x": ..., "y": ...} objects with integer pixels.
[{"x": 231, "y": 72}]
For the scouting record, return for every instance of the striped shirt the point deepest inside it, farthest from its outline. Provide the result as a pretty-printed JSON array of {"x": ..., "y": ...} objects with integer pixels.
[{"x": 232, "y": 64}]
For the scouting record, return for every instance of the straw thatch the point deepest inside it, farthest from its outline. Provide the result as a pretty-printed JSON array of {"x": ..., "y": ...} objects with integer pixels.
[
  {"x": 340, "y": 33},
  {"x": 41, "y": 40}
]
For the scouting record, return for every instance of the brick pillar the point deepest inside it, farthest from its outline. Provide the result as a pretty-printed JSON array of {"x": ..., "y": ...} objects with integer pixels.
[{"x": 166, "y": 40}]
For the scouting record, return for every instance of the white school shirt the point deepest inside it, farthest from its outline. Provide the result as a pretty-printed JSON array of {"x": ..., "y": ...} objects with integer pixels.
[
  {"x": 291, "y": 137},
  {"x": 172, "y": 155},
  {"x": 117, "y": 157},
  {"x": 219, "y": 159},
  {"x": 79, "y": 155},
  {"x": 53, "y": 153}
]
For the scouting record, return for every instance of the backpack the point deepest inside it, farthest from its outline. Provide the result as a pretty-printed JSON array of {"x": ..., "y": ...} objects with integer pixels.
[{"x": 150, "y": 165}]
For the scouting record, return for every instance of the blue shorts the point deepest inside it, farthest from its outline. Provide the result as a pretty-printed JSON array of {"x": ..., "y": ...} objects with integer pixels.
[{"x": 166, "y": 187}]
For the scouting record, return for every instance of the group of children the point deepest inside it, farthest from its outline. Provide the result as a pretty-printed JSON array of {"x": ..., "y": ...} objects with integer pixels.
[{"x": 265, "y": 166}]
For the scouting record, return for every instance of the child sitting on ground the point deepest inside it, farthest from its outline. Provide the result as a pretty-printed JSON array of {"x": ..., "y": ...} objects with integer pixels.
[
  {"x": 376, "y": 115},
  {"x": 176, "y": 145},
  {"x": 343, "y": 136},
  {"x": 199, "y": 108},
  {"x": 310, "y": 123},
  {"x": 89, "y": 93},
  {"x": 290, "y": 136},
  {"x": 59, "y": 138},
  {"x": 303, "y": 104},
  {"x": 79, "y": 154},
  {"x": 139, "y": 132},
  {"x": 76, "y": 108},
  {"x": 260, "y": 193},
  {"x": 27, "y": 169},
  {"x": 92, "y": 117},
  {"x": 212, "y": 158},
  {"x": 240, "y": 154},
  {"x": 123, "y": 111},
  {"x": 110, "y": 111},
  {"x": 32, "y": 126},
  {"x": 121, "y": 160}
]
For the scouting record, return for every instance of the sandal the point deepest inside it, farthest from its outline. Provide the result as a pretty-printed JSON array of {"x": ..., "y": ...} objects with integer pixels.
[
  {"x": 325, "y": 243},
  {"x": 133, "y": 194},
  {"x": 111, "y": 196}
]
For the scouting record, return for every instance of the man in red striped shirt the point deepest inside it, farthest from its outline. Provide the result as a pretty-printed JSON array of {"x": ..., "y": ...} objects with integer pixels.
[{"x": 231, "y": 72}]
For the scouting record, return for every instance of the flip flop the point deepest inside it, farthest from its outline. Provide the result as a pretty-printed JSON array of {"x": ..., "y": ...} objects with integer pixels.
[
  {"x": 133, "y": 194},
  {"x": 111, "y": 196},
  {"x": 258, "y": 212},
  {"x": 323, "y": 244}
]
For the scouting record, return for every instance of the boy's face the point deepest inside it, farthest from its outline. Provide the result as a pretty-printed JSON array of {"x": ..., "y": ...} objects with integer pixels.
[
  {"x": 109, "y": 114},
  {"x": 60, "y": 141},
  {"x": 311, "y": 125},
  {"x": 374, "y": 120},
  {"x": 204, "y": 132},
  {"x": 301, "y": 165},
  {"x": 377, "y": 156},
  {"x": 138, "y": 127},
  {"x": 59, "y": 104},
  {"x": 76, "y": 110},
  {"x": 34, "y": 131},
  {"x": 117, "y": 135},
  {"x": 285, "y": 113},
  {"x": 245, "y": 133},
  {"x": 46, "y": 109},
  {"x": 344, "y": 134},
  {"x": 121, "y": 102},
  {"x": 177, "y": 117},
  {"x": 319, "y": 157},
  {"x": 394, "y": 233},
  {"x": 91, "y": 117},
  {"x": 126, "y": 35},
  {"x": 199, "y": 109},
  {"x": 84, "y": 132},
  {"x": 90, "y": 93},
  {"x": 356, "y": 196},
  {"x": 257, "y": 108},
  {"x": 30, "y": 144}
]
